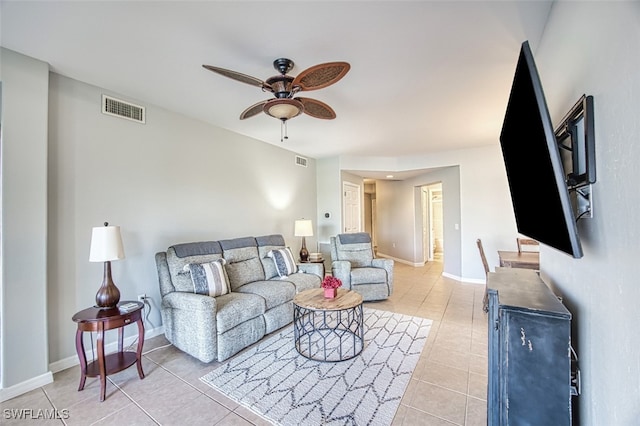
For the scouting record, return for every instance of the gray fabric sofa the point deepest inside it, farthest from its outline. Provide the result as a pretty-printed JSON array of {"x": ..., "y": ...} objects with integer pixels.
[
  {"x": 353, "y": 263},
  {"x": 259, "y": 302}
]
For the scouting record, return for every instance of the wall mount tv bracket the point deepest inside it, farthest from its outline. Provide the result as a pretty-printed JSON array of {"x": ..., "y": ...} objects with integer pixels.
[{"x": 575, "y": 136}]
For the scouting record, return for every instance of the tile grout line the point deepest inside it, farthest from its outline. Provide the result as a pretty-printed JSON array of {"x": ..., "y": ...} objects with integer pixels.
[
  {"x": 52, "y": 404},
  {"x": 130, "y": 399},
  {"x": 199, "y": 390}
]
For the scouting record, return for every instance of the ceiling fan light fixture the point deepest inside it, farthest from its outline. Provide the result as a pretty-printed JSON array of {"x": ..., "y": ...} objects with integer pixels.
[
  {"x": 283, "y": 109},
  {"x": 284, "y": 87}
]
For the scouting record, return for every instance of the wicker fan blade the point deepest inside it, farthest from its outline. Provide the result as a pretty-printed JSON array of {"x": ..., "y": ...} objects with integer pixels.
[
  {"x": 239, "y": 77},
  {"x": 317, "y": 109},
  {"x": 321, "y": 75},
  {"x": 252, "y": 110}
]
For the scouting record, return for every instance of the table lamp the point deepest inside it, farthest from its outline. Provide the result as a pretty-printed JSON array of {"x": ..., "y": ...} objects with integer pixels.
[
  {"x": 106, "y": 245},
  {"x": 303, "y": 228}
]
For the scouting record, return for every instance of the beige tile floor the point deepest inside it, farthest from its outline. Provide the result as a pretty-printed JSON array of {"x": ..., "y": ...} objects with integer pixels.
[{"x": 448, "y": 386}]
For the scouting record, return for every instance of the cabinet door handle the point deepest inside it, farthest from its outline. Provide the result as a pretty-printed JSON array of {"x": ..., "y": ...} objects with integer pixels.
[{"x": 497, "y": 325}]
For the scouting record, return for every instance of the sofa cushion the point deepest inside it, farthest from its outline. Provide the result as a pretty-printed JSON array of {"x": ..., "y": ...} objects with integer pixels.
[
  {"x": 183, "y": 254},
  {"x": 274, "y": 292},
  {"x": 355, "y": 238},
  {"x": 303, "y": 281},
  {"x": 266, "y": 243},
  {"x": 354, "y": 248},
  {"x": 243, "y": 263},
  {"x": 276, "y": 240},
  {"x": 368, "y": 276},
  {"x": 236, "y": 308},
  {"x": 244, "y": 272},
  {"x": 201, "y": 248},
  {"x": 360, "y": 255},
  {"x": 283, "y": 261},
  {"x": 239, "y": 249},
  {"x": 209, "y": 278}
]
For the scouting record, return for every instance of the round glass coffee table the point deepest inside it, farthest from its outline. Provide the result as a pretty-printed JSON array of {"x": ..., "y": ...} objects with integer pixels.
[{"x": 328, "y": 329}]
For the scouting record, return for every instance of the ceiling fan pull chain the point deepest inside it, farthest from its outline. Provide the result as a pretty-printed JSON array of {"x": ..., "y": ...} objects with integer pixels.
[{"x": 283, "y": 130}]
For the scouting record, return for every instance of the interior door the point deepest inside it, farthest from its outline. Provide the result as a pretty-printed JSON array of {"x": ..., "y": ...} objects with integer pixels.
[
  {"x": 432, "y": 222},
  {"x": 374, "y": 237},
  {"x": 427, "y": 240},
  {"x": 351, "y": 207},
  {"x": 437, "y": 227}
]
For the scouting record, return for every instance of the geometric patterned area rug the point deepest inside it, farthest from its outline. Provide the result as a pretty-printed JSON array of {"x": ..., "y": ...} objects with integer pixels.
[{"x": 273, "y": 380}]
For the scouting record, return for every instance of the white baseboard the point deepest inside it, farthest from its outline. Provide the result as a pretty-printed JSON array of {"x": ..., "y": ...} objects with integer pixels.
[
  {"x": 444, "y": 274},
  {"x": 453, "y": 277},
  {"x": 463, "y": 280},
  {"x": 44, "y": 379},
  {"x": 26, "y": 386},
  {"x": 72, "y": 361},
  {"x": 474, "y": 281},
  {"x": 395, "y": 259}
]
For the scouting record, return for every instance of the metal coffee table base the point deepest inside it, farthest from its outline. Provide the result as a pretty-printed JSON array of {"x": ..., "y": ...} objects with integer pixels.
[{"x": 328, "y": 335}]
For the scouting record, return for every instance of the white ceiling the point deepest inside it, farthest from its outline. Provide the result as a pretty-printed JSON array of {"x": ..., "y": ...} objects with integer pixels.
[{"x": 425, "y": 75}]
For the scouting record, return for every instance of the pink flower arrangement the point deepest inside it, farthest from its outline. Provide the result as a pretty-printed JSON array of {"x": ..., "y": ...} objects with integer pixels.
[{"x": 331, "y": 282}]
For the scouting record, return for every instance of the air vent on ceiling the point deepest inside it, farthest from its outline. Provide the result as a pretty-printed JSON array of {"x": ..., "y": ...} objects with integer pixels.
[
  {"x": 301, "y": 161},
  {"x": 122, "y": 109}
]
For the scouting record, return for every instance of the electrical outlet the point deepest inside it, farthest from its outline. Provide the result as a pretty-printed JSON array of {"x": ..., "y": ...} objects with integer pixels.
[{"x": 142, "y": 298}]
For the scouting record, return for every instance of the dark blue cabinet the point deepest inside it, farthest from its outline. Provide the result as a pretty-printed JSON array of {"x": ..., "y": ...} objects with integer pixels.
[{"x": 529, "y": 351}]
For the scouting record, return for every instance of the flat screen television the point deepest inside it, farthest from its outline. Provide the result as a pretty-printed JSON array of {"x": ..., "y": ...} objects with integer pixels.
[{"x": 539, "y": 193}]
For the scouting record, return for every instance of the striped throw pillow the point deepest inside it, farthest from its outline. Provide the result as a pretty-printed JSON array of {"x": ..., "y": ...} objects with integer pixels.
[
  {"x": 283, "y": 260},
  {"x": 209, "y": 278}
]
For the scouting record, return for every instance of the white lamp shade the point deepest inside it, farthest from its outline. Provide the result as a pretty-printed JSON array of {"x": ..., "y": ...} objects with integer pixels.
[
  {"x": 106, "y": 244},
  {"x": 303, "y": 228}
]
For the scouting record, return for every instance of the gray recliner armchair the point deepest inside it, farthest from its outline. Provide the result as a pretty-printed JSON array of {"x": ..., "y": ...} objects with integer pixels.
[{"x": 354, "y": 264}]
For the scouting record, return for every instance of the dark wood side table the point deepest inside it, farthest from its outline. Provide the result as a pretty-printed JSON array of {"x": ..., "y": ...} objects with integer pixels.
[{"x": 102, "y": 319}]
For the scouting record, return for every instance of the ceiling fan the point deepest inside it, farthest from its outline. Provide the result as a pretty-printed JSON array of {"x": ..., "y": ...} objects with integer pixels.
[{"x": 284, "y": 87}]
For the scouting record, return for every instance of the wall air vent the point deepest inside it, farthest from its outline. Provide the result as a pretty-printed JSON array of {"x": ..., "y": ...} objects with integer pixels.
[
  {"x": 301, "y": 161},
  {"x": 122, "y": 109}
]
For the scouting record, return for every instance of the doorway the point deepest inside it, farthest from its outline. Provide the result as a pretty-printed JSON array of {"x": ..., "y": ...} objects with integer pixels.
[
  {"x": 432, "y": 222},
  {"x": 351, "y": 207},
  {"x": 370, "y": 214}
]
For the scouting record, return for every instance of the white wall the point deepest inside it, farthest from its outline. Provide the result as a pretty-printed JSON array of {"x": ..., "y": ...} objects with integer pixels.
[
  {"x": 593, "y": 48},
  {"x": 23, "y": 302},
  {"x": 329, "y": 188}
]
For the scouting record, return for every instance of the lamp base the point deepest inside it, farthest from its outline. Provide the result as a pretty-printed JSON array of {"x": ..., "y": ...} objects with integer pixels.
[
  {"x": 304, "y": 253},
  {"x": 108, "y": 294}
]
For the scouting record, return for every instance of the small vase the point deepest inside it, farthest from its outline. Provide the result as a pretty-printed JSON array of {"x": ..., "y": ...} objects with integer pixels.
[{"x": 330, "y": 293}]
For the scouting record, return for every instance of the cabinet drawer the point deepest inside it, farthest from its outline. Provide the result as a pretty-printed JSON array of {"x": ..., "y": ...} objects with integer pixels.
[{"x": 122, "y": 321}]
